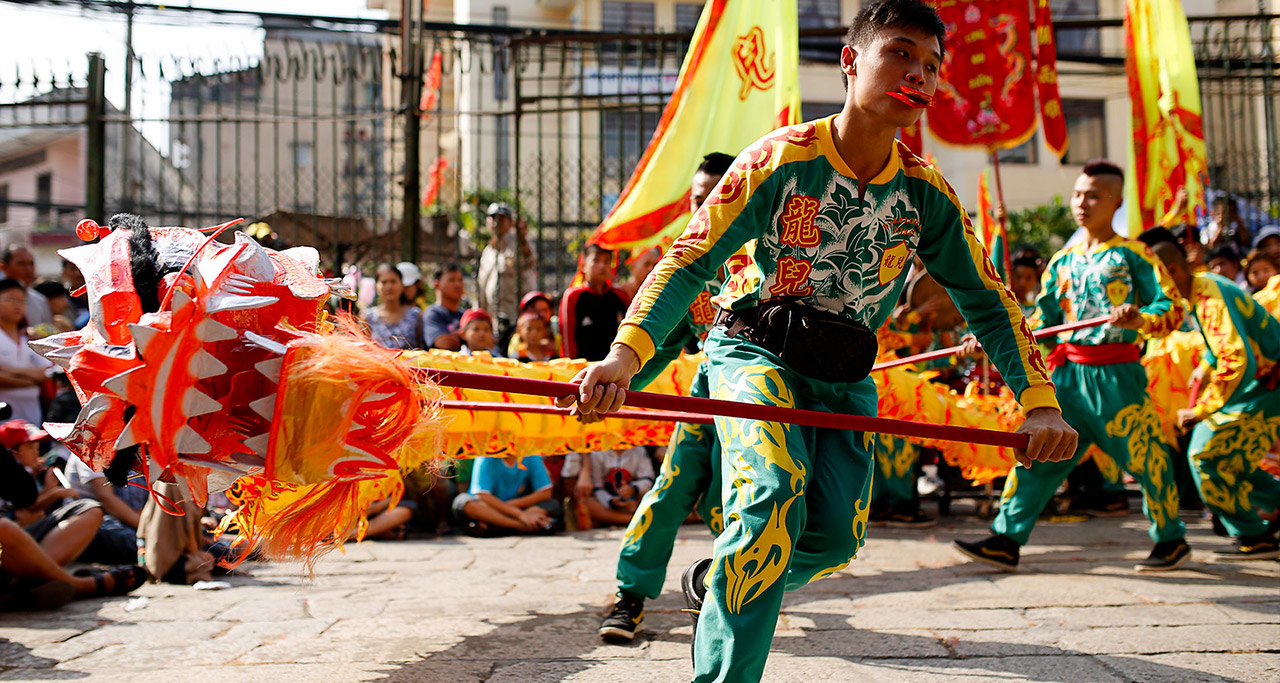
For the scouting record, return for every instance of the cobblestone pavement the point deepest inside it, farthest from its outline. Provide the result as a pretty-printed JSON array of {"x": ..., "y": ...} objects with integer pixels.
[{"x": 526, "y": 609}]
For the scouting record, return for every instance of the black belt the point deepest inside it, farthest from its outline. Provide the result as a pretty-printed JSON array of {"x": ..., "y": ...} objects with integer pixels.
[{"x": 814, "y": 343}]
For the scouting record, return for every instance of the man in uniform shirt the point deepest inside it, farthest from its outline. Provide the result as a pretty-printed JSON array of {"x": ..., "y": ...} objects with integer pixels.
[
  {"x": 1101, "y": 369},
  {"x": 1236, "y": 418},
  {"x": 837, "y": 208}
]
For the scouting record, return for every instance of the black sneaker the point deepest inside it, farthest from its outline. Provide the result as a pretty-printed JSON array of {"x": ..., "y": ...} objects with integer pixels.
[
  {"x": 1248, "y": 548},
  {"x": 997, "y": 551},
  {"x": 1165, "y": 557},
  {"x": 624, "y": 619},
  {"x": 910, "y": 521},
  {"x": 693, "y": 583}
]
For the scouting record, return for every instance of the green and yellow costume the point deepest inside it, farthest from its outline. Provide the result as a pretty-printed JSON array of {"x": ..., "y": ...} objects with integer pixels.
[
  {"x": 795, "y": 498},
  {"x": 1239, "y": 409},
  {"x": 1104, "y": 378}
]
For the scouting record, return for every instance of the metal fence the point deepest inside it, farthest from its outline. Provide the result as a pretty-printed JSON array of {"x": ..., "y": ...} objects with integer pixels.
[{"x": 372, "y": 147}]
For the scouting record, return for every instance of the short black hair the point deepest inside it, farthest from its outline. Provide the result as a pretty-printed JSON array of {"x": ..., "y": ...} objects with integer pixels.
[
  {"x": 715, "y": 164},
  {"x": 6, "y": 256},
  {"x": 1025, "y": 261},
  {"x": 1096, "y": 167},
  {"x": 1158, "y": 236},
  {"x": 52, "y": 289},
  {"x": 1226, "y": 250},
  {"x": 592, "y": 249},
  {"x": 874, "y": 17},
  {"x": 10, "y": 283},
  {"x": 445, "y": 268}
]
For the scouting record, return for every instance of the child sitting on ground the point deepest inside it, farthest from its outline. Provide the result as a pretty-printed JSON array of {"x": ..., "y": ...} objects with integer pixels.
[
  {"x": 508, "y": 495},
  {"x": 612, "y": 483}
]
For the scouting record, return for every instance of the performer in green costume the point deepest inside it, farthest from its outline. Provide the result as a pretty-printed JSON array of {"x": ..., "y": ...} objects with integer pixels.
[
  {"x": 1100, "y": 369},
  {"x": 1237, "y": 415},
  {"x": 688, "y": 478},
  {"x": 837, "y": 208}
]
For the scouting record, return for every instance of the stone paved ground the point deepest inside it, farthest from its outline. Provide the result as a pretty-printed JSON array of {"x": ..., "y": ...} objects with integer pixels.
[{"x": 526, "y": 610}]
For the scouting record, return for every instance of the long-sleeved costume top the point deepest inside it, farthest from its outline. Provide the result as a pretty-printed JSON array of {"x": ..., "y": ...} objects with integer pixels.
[
  {"x": 819, "y": 241},
  {"x": 1080, "y": 284},
  {"x": 1243, "y": 343}
]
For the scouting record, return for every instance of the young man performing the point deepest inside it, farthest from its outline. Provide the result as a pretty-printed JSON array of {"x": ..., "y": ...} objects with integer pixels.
[
  {"x": 1237, "y": 416},
  {"x": 687, "y": 477},
  {"x": 1101, "y": 369},
  {"x": 837, "y": 208}
]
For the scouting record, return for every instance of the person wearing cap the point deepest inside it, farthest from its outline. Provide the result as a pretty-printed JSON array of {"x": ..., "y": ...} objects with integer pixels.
[
  {"x": 1268, "y": 241},
  {"x": 441, "y": 320},
  {"x": 64, "y": 532},
  {"x": 540, "y": 304},
  {"x": 476, "y": 330},
  {"x": 508, "y": 265},
  {"x": 411, "y": 276},
  {"x": 22, "y": 370}
]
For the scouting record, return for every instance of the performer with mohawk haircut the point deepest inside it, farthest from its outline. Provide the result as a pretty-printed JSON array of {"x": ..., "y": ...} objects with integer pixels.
[{"x": 1101, "y": 368}]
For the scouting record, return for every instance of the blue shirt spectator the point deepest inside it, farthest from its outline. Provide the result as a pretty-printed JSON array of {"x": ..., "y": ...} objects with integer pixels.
[{"x": 505, "y": 482}]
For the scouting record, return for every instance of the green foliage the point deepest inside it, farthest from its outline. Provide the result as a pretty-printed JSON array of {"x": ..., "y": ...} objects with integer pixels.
[{"x": 1046, "y": 227}]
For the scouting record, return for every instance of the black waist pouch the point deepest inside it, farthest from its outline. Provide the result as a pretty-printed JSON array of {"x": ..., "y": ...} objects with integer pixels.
[{"x": 814, "y": 343}]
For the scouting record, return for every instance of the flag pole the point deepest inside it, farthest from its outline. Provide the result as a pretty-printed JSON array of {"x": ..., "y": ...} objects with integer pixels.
[{"x": 1004, "y": 218}]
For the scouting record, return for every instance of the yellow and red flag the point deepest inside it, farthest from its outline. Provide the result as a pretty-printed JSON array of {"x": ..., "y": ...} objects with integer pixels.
[
  {"x": 739, "y": 81},
  {"x": 994, "y": 236},
  {"x": 1168, "y": 151},
  {"x": 993, "y": 74}
]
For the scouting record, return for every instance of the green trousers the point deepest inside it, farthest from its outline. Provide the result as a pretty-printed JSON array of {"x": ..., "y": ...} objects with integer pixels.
[
  {"x": 1108, "y": 405},
  {"x": 895, "y": 476},
  {"x": 688, "y": 480},
  {"x": 1225, "y": 451},
  {"x": 795, "y": 503}
]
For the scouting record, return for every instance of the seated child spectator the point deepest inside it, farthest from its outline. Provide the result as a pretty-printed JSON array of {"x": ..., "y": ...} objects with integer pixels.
[
  {"x": 477, "y": 332},
  {"x": 538, "y": 345},
  {"x": 63, "y": 530},
  {"x": 540, "y": 303},
  {"x": 116, "y": 541},
  {"x": 508, "y": 495},
  {"x": 1259, "y": 267},
  {"x": 389, "y": 523},
  {"x": 612, "y": 482}
]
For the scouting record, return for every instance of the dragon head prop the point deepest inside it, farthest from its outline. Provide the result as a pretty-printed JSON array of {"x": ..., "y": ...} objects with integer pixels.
[{"x": 213, "y": 364}]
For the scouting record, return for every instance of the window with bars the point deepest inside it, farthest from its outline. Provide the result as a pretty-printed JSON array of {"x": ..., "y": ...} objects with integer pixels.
[
  {"x": 818, "y": 13},
  {"x": 626, "y": 133},
  {"x": 627, "y": 17},
  {"x": 1086, "y": 130},
  {"x": 630, "y": 18},
  {"x": 687, "y": 15},
  {"x": 1026, "y": 153},
  {"x": 1075, "y": 41},
  {"x": 44, "y": 199}
]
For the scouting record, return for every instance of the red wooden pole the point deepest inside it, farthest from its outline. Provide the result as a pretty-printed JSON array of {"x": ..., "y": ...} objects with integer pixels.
[
  {"x": 549, "y": 409},
  {"x": 1004, "y": 218},
  {"x": 952, "y": 350},
  {"x": 720, "y": 408}
]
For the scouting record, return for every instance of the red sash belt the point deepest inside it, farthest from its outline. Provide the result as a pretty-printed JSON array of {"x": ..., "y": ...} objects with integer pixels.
[{"x": 1101, "y": 354}]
